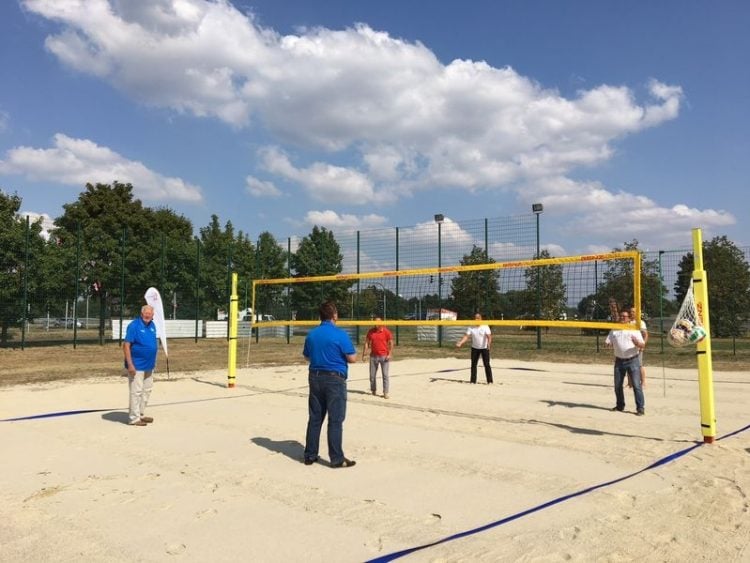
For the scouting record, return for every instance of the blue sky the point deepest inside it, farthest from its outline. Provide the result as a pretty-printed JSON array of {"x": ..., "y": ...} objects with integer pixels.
[{"x": 625, "y": 119}]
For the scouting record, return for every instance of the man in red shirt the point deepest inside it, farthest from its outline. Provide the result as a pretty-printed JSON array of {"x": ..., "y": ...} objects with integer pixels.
[{"x": 379, "y": 341}]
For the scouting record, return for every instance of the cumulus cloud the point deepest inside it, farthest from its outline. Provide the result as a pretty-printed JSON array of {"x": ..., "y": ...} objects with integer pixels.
[
  {"x": 323, "y": 182},
  {"x": 48, "y": 223},
  {"x": 591, "y": 210},
  {"x": 80, "y": 161},
  {"x": 384, "y": 116},
  {"x": 261, "y": 188},
  {"x": 335, "y": 221},
  {"x": 408, "y": 116}
]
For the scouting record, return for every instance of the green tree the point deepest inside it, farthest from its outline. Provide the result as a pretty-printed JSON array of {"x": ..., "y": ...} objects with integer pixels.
[
  {"x": 111, "y": 240},
  {"x": 16, "y": 272},
  {"x": 176, "y": 267},
  {"x": 476, "y": 291},
  {"x": 271, "y": 263},
  {"x": 223, "y": 253},
  {"x": 546, "y": 282},
  {"x": 618, "y": 284},
  {"x": 318, "y": 254},
  {"x": 728, "y": 276}
]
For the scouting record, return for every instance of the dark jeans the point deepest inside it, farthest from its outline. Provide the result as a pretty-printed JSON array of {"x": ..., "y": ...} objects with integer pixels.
[
  {"x": 485, "y": 353},
  {"x": 327, "y": 396},
  {"x": 622, "y": 368}
]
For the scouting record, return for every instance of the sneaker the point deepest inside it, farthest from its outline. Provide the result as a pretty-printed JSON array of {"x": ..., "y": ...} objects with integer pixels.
[
  {"x": 147, "y": 419},
  {"x": 640, "y": 412},
  {"x": 345, "y": 463},
  {"x": 310, "y": 461},
  {"x": 385, "y": 395},
  {"x": 617, "y": 409},
  {"x": 138, "y": 423}
]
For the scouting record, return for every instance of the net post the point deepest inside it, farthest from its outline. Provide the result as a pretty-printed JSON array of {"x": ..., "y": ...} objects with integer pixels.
[
  {"x": 703, "y": 351},
  {"x": 232, "y": 327}
]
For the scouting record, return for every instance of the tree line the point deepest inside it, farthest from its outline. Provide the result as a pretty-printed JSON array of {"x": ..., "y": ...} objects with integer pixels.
[{"x": 108, "y": 247}]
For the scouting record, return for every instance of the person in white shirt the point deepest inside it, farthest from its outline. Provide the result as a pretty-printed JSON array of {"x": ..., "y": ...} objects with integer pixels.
[
  {"x": 481, "y": 341},
  {"x": 627, "y": 344}
]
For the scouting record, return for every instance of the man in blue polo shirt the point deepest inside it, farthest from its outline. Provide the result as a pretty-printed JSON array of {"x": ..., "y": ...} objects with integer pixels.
[
  {"x": 329, "y": 351},
  {"x": 140, "y": 350}
]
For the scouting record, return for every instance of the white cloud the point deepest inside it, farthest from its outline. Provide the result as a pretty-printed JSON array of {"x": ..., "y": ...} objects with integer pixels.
[
  {"x": 323, "y": 182},
  {"x": 413, "y": 121},
  {"x": 588, "y": 209},
  {"x": 261, "y": 188},
  {"x": 79, "y": 161},
  {"x": 333, "y": 221},
  {"x": 400, "y": 120},
  {"x": 48, "y": 223}
]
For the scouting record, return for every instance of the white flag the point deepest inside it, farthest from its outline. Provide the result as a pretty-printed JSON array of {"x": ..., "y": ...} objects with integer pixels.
[{"x": 154, "y": 299}]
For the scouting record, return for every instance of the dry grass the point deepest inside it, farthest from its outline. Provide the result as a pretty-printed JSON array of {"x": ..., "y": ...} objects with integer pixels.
[{"x": 59, "y": 361}]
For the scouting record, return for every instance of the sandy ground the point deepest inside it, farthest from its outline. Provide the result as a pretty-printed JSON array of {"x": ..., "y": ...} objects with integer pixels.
[{"x": 218, "y": 476}]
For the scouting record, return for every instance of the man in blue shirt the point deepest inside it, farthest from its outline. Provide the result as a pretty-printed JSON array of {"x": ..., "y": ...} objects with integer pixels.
[
  {"x": 329, "y": 351},
  {"x": 140, "y": 350}
]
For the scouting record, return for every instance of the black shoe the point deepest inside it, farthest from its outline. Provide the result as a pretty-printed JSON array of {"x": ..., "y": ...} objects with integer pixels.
[
  {"x": 345, "y": 463},
  {"x": 617, "y": 409},
  {"x": 310, "y": 461},
  {"x": 640, "y": 412}
]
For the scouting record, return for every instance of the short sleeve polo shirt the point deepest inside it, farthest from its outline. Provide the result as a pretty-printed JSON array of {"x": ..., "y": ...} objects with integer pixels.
[{"x": 327, "y": 346}]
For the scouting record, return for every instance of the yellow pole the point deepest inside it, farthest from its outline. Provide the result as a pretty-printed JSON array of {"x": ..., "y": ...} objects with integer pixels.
[
  {"x": 703, "y": 352},
  {"x": 233, "y": 314}
]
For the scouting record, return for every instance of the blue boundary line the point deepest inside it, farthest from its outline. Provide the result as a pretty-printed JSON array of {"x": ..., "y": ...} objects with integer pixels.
[
  {"x": 516, "y": 516},
  {"x": 55, "y": 414}
]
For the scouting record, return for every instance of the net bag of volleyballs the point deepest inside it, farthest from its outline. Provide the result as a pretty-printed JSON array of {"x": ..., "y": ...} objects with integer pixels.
[{"x": 687, "y": 328}]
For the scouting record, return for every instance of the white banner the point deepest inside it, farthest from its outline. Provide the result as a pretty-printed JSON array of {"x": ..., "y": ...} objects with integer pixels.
[{"x": 153, "y": 298}]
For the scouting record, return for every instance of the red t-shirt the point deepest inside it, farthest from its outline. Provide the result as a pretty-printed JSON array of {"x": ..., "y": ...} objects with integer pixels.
[{"x": 379, "y": 339}]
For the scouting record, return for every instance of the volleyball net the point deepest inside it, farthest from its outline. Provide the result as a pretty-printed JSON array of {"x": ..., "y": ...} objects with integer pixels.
[{"x": 585, "y": 291}]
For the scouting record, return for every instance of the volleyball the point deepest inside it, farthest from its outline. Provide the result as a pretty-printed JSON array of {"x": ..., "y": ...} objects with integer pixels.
[
  {"x": 677, "y": 337},
  {"x": 685, "y": 325},
  {"x": 697, "y": 334}
]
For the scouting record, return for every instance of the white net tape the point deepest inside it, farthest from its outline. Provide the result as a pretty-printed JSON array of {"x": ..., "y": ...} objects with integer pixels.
[{"x": 687, "y": 328}]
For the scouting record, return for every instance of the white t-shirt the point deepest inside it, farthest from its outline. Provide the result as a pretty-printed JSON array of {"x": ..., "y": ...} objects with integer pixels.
[
  {"x": 622, "y": 340},
  {"x": 479, "y": 336}
]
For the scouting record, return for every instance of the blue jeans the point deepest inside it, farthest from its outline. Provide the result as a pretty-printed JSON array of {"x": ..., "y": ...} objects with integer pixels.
[
  {"x": 622, "y": 368},
  {"x": 327, "y": 396}
]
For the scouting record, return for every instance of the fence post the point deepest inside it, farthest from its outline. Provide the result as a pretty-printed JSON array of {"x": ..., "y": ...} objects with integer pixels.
[
  {"x": 398, "y": 295},
  {"x": 78, "y": 277},
  {"x": 25, "y": 300},
  {"x": 288, "y": 288},
  {"x": 122, "y": 281},
  {"x": 197, "y": 284},
  {"x": 358, "y": 289},
  {"x": 661, "y": 306}
]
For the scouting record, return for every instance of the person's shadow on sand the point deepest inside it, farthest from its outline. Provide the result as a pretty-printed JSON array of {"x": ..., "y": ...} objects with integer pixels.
[
  {"x": 116, "y": 416},
  {"x": 290, "y": 448}
]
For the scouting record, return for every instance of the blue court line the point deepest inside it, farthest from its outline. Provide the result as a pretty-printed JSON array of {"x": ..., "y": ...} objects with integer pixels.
[
  {"x": 54, "y": 414},
  {"x": 516, "y": 516}
]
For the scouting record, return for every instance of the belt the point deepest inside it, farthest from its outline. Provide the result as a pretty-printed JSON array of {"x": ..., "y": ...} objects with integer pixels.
[
  {"x": 325, "y": 372},
  {"x": 628, "y": 358}
]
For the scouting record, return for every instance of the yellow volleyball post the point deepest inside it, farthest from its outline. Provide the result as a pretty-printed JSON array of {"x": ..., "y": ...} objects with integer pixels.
[
  {"x": 232, "y": 327},
  {"x": 703, "y": 351}
]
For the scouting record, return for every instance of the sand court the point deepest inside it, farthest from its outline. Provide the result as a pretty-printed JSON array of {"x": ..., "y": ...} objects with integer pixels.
[{"x": 218, "y": 475}]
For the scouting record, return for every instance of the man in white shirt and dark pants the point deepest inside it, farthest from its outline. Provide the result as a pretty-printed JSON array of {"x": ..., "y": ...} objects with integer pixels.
[
  {"x": 481, "y": 341},
  {"x": 627, "y": 344}
]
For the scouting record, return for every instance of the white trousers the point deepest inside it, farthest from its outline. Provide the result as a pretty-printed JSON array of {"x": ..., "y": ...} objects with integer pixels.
[{"x": 140, "y": 386}]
